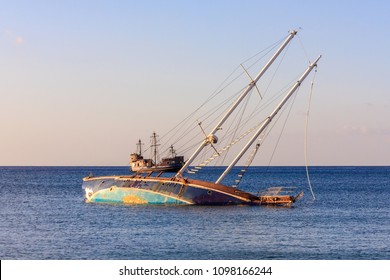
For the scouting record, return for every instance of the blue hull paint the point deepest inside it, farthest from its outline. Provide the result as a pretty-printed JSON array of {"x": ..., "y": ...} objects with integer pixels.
[{"x": 132, "y": 196}]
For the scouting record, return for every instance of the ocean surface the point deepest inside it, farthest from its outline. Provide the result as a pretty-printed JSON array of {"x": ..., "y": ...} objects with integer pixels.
[{"x": 43, "y": 216}]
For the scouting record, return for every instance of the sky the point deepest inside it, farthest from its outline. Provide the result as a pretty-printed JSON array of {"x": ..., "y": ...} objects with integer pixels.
[{"x": 82, "y": 81}]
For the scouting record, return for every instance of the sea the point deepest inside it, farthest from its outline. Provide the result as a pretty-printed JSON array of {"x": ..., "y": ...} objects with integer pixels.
[{"x": 44, "y": 217}]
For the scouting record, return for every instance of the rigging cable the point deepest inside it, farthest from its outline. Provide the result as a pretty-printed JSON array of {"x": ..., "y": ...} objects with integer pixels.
[
  {"x": 303, "y": 48},
  {"x": 307, "y": 121},
  {"x": 220, "y": 88},
  {"x": 246, "y": 166},
  {"x": 237, "y": 125},
  {"x": 252, "y": 115},
  {"x": 283, "y": 127},
  {"x": 209, "y": 113},
  {"x": 306, "y": 128},
  {"x": 222, "y": 150},
  {"x": 282, "y": 130}
]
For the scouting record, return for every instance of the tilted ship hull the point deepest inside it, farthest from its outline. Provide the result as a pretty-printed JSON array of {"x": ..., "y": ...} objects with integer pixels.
[{"x": 154, "y": 190}]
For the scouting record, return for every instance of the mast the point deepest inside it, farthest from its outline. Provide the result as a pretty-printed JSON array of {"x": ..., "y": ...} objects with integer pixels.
[
  {"x": 154, "y": 146},
  {"x": 211, "y": 138},
  {"x": 172, "y": 151},
  {"x": 268, "y": 120},
  {"x": 139, "y": 147}
]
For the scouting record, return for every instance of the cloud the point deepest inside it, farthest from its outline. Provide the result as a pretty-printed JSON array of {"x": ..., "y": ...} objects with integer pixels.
[
  {"x": 364, "y": 130},
  {"x": 355, "y": 130},
  {"x": 368, "y": 104},
  {"x": 19, "y": 40}
]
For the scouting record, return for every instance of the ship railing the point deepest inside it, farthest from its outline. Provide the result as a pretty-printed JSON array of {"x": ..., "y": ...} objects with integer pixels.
[{"x": 278, "y": 191}]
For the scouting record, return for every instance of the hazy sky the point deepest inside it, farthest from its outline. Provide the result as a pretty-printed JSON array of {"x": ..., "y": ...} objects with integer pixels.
[{"x": 81, "y": 81}]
